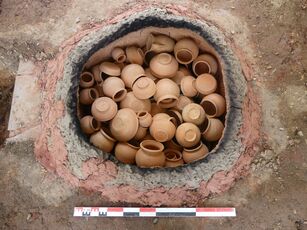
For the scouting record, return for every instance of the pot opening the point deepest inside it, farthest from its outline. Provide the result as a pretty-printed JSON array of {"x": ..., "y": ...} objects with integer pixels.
[
  {"x": 184, "y": 56},
  {"x": 87, "y": 77},
  {"x": 202, "y": 67},
  {"x": 142, "y": 114},
  {"x": 209, "y": 108},
  {"x": 95, "y": 124},
  {"x": 203, "y": 127},
  {"x": 152, "y": 147},
  {"x": 120, "y": 95},
  {"x": 121, "y": 59},
  {"x": 93, "y": 94}
]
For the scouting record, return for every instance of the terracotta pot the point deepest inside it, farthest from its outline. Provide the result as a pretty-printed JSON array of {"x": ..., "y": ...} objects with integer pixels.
[
  {"x": 162, "y": 129},
  {"x": 187, "y": 86},
  {"x": 173, "y": 158},
  {"x": 86, "y": 80},
  {"x": 109, "y": 69},
  {"x": 167, "y": 93},
  {"x": 204, "y": 63},
  {"x": 99, "y": 88},
  {"x": 181, "y": 73},
  {"x": 87, "y": 96},
  {"x": 212, "y": 129},
  {"x": 144, "y": 88},
  {"x": 188, "y": 135},
  {"x": 103, "y": 140},
  {"x": 96, "y": 73},
  {"x": 155, "y": 109},
  {"x": 125, "y": 152},
  {"x": 176, "y": 115},
  {"x": 214, "y": 105},
  {"x": 160, "y": 43},
  {"x": 132, "y": 102},
  {"x": 163, "y": 65},
  {"x": 194, "y": 154},
  {"x": 149, "y": 74},
  {"x": 114, "y": 87},
  {"x": 205, "y": 84},
  {"x": 150, "y": 155},
  {"x": 135, "y": 55},
  {"x": 89, "y": 124},
  {"x": 104, "y": 109},
  {"x": 118, "y": 54},
  {"x": 186, "y": 50},
  {"x": 173, "y": 144},
  {"x": 131, "y": 73},
  {"x": 193, "y": 113},
  {"x": 145, "y": 119},
  {"x": 182, "y": 102},
  {"x": 141, "y": 133},
  {"x": 124, "y": 125}
]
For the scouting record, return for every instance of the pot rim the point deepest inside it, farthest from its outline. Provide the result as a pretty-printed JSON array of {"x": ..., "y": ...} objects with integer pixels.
[
  {"x": 160, "y": 146},
  {"x": 200, "y": 61},
  {"x": 177, "y": 153},
  {"x": 105, "y": 134},
  {"x": 186, "y": 50}
]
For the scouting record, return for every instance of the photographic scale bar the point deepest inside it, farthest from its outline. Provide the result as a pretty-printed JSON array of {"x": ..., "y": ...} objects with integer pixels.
[{"x": 153, "y": 212}]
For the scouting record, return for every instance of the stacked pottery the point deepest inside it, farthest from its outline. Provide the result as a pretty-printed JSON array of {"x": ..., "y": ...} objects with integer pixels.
[{"x": 156, "y": 104}]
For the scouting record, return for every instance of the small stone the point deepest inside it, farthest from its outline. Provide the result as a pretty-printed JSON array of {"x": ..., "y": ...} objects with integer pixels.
[
  {"x": 269, "y": 67},
  {"x": 155, "y": 221},
  {"x": 233, "y": 7},
  {"x": 281, "y": 129},
  {"x": 300, "y": 133},
  {"x": 77, "y": 20},
  {"x": 232, "y": 32},
  {"x": 29, "y": 216},
  {"x": 291, "y": 142}
]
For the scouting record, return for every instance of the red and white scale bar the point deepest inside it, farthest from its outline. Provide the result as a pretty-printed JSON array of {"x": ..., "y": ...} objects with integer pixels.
[{"x": 153, "y": 212}]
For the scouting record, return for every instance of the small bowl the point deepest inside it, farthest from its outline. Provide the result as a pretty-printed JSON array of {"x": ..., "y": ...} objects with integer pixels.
[
  {"x": 104, "y": 109},
  {"x": 187, "y": 86},
  {"x": 163, "y": 65},
  {"x": 144, "y": 88},
  {"x": 205, "y": 84},
  {"x": 131, "y": 73}
]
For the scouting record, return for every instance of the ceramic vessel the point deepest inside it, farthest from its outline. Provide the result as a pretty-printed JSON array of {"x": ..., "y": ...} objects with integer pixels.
[
  {"x": 205, "y": 84},
  {"x": 155, "y": 109},
  {"x": 104, "y": 109},
  {"x": 96, "y": 73},
  {"x": 125, "y": 152},
  {"x": 173, "y": 158},
  {"x": 118, "y": 54},
  {"x": 108, "y": 69},
  {"x": 182, "y": 102},
  {"x": 181, "y": 73},
  {"x": 87, "y": 96},
  {"x": 163, "y": 65},
  {"x": 145, "y": 119},
  {"x": 135, "y": 55},
  {"x": 162, "y": 128},
  {"x": 103, "y": 140},
  {"x": 124, "y": 125},
  {"x": 141, "y": 133},
  {"x": 114, "y": 87},
  {"x": 214, "y": 105},
  {"x": 131, "y": 73},
  {"x": 86, "y": 80},
  {"x": 193, "y": 113},
  {"x": 137, "y": 105},
  {"x": 89, "y": 124},
  {"x": 204, "y": 63},
  {"x": 150, "y": 155},
  {"x": 187, "y": 86},
  {"x": 144, "y": 88},
  {"x": 212, "y": 129},
  {"x": 186, "y": 50},
  {"x": 167, "y": 93},
  {"x": 188, "y": 135},
  {"x": 160, "y": 43},
  {"x": 173, "y": 144},
  {"x": 194, "y": 154}
]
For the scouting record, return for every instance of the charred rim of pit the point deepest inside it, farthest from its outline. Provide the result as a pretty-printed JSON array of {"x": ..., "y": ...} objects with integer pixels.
[{"x": 233, "y": 99}]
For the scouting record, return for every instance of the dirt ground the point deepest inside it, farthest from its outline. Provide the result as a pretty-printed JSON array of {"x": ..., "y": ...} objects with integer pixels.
[{"x": 272, "y": 196}]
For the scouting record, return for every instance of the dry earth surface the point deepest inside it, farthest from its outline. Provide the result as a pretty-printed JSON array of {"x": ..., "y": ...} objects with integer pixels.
[{"x": 272, "y": 196}]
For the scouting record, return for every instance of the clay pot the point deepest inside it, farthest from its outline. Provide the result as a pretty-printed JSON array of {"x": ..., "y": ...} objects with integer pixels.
[
  {"x": 187, "y": 86},
  {"x": 167, "y": 93},
  {"x": 135, "y": 55},
  {"x": 150, "y": 155},
  {"x": 149, "y": 74},
  {"x": 160, "y": 43},
  {"x": 212, "y": 129},
  {"x": 214, "y": 105},
  {"x": 125, "y": 152},
  {"x": 124, "y": 125},
  {"x": 144, "y": 88},
  {"x": 155, "y": 109},
  {"x": 193, "y": 113},
  {"x": 186, "y": 51},
  {"x": 204, "y": 63},
  {"x": 109, "y": 69},
  {"x": 114, "y": 87},
  {"x": 145, "y": 119},
  {"x": 104, "y": 109},
  {"x": 194, "y": 154},
  {"x": 89, "y": 124},
  {"x": 96, "y": 73},
  {"x": 181, "y": 73},
  {"x": 205, "y": 84},
  {"x": 87, "y": 96},
  {"x": 163, "y": 65},
  {"x": 132, "y": 102},
  {"x": 118, "y": 54},
  {"x": 99, "y": 88},
  {"x": 172, "y": 144},
  {"x": 86, "y": 80},
  {"x": 141, "y": 133},
  {"x": 188, "y": 135},
  {"x": 131, "y": 73},
  {"x": 173, "y": 158},
  {"x": 103, "y": 140},
  {"x": 182, "y": 102},
  {"x": 162, "y": 128}
]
